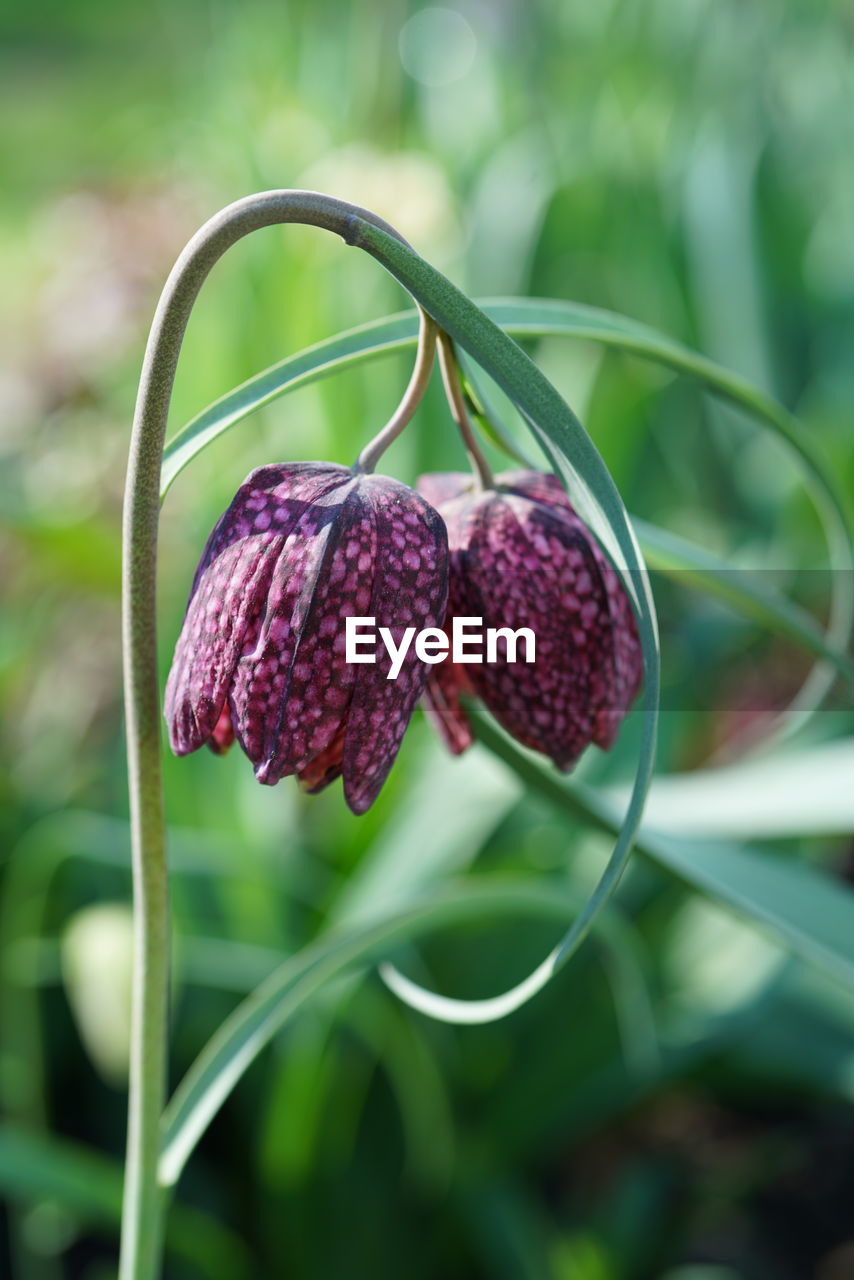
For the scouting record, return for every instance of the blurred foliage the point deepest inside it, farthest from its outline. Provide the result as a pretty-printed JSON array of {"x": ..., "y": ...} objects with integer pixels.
[{"x": 684, "y": 163}]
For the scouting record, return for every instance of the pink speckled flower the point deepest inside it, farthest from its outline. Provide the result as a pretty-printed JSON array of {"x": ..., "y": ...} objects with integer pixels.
[
  {"x": 261, "y": 655},
  {"x": 522, "y": 557}
]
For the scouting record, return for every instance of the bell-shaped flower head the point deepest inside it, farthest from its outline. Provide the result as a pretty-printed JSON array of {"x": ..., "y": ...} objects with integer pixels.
[
  {"x": 521, "y": 557},
  {"x": 261, "y": 654}
]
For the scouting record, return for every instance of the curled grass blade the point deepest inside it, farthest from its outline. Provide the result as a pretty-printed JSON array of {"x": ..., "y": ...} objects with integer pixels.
[
  {"x": 576, "y": 460},
  {"x": 241, "y": 1037},
  {"x": 535, "y": 318}
]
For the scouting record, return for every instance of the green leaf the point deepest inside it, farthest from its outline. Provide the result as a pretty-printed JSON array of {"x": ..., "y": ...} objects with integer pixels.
[
  {"x": 258, "y": 1018},
  {"x": 88, "y": 1184},
  {"x": 241, "y": 1037},
  {"x": 800, "y": 793},
  {"x": 800, "y": 906},
  {"x": 740, "y": 589},
  {"x": 804, "y": 1036},
  {"x": 575, "y": 459},
  {"x": 34, "y": 1167}
]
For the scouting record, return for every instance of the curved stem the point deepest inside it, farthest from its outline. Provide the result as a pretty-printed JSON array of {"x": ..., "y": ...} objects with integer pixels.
[
  {"x": 412, "y": 397},
  {"x": 142, "y": 1216},
  {"x": 456, "y": 400}
]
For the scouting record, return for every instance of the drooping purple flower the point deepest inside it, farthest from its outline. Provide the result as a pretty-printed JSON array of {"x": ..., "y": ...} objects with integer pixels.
[
  {"x": 522, "y": 557},
  {"x": 261, "y": 654}
]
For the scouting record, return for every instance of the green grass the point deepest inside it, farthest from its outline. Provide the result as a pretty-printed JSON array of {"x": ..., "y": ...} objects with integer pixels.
[{"x": 678, "y": 1093}]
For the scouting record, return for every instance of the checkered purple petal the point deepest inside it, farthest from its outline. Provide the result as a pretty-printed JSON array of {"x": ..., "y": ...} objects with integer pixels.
[
  {"x": 261, "y": 654},
  {"x": 410, "y": 588},
  {"x": 230, "y": 590},
  {"x": 521, "y": 556}
]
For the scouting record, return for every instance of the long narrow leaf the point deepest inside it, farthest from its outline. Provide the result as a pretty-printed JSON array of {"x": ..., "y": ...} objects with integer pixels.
[
  {"x": 804, "y": 792},
  {"x": 381, "y": 337},
  {"x": 36, "y": 1167},
  {"x": 242, "y": 1036},
  {"x": 575, "y": 459},
  {"x": 741, "y": 589},
  {"x": 802, "y": 907}
]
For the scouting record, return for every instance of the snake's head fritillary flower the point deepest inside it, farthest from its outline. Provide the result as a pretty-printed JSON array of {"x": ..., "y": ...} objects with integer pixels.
[
  {"x": 522, "y": 557},
  {"x": 261, "y": 654}
]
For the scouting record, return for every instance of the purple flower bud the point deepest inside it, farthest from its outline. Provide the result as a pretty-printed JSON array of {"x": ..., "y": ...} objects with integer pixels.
[
  {"x": 522, "y": 557},
  {"x": 261, "y": 655}
]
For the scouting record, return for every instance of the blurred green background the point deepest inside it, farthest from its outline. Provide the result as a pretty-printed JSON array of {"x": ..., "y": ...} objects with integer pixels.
[{"x": 677, "y": 1104}]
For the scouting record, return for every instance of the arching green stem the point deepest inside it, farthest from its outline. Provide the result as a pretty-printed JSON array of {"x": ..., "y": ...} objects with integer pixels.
[{"x": 142, "y": 1219}]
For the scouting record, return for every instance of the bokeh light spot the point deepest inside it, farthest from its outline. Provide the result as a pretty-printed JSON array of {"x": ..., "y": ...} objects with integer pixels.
[{"x": 437, "y": 46}]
